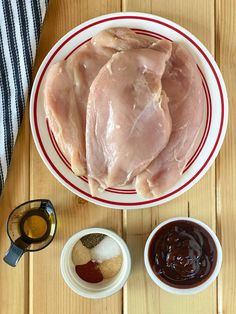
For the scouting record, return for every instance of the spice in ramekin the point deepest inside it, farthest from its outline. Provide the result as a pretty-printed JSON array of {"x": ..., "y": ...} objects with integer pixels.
[{"x": 97, "y": 257}]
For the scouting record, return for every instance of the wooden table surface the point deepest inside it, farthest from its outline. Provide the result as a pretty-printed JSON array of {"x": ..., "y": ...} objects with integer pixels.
[{"x": 36, "y": 286}]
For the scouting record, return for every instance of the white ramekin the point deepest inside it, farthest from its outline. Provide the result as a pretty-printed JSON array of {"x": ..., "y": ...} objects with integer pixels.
[
  {"x": 187, "y": 291},
  {"x": 94, "y": 290}
]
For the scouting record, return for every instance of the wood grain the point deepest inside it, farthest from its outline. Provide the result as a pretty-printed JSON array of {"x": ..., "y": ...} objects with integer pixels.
[
  {"x": 14, "y": 281},
  {"x": 141, "y": 295},
  {"x": 74, "y": 214},
  {"x": 35, "y": 286},
  {"x": 226, "y": 162}
]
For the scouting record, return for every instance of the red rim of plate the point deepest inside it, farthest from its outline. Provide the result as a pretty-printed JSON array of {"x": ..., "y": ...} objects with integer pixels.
[{"x": 73, "y": 185}]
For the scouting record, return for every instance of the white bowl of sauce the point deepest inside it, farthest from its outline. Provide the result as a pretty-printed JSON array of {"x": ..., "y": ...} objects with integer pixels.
[{"x": 183, "y": 255}]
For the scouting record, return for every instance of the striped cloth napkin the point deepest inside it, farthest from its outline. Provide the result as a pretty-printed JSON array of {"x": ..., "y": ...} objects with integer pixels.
[{"x": 20, "y": 23}]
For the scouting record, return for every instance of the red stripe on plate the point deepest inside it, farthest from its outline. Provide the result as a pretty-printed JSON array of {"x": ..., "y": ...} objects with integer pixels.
[
  {"x": 77, "y": 47},
  {"x": 150, "y": 35},
  {"x": 150, "y": 32},
  {"x": 207, "y": 128},
  {"x": 56, "y": 147}
]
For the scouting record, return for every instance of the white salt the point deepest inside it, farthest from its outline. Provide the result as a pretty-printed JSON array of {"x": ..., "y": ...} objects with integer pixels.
[{"x": 106, "y": 249}]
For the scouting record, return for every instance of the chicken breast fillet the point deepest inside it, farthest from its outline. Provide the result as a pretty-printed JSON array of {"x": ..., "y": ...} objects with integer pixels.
[
  {"x": 128, "y": 122},
  {"x": 183, "y": 85}
]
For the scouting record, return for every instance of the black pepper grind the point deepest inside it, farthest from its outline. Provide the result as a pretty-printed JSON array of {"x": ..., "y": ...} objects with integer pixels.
[{"x": 91, "y": 240}]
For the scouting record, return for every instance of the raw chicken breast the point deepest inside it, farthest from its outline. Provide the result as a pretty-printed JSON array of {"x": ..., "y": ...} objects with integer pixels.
[
  {"x": 183, "y": 86},
  {"x": 66, "y": 94},
  {"x": 121, "y": 38},
  {"x": 67, "y": 87},
  {"x": 128, "y": 121}
]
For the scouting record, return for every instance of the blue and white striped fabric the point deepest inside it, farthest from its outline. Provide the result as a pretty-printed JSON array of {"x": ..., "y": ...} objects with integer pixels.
[{"x": 20, "y": 23}]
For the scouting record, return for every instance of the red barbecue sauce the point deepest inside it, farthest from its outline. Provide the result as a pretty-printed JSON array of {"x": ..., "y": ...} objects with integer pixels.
[{"x": 182, "y": 254}]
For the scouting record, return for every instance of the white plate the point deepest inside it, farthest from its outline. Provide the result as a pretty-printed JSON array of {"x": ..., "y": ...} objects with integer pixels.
[{"x": 216, "y": 111}]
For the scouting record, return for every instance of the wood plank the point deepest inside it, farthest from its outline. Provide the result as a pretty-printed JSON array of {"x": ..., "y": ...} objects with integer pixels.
[
  {"x": 14, "y": 281},
  {"x": 48, "y": 292},
  {"x": 141, "y": 295},
  {"x": 226, "y": 162},
  {"x": 137, "y": 5}
]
